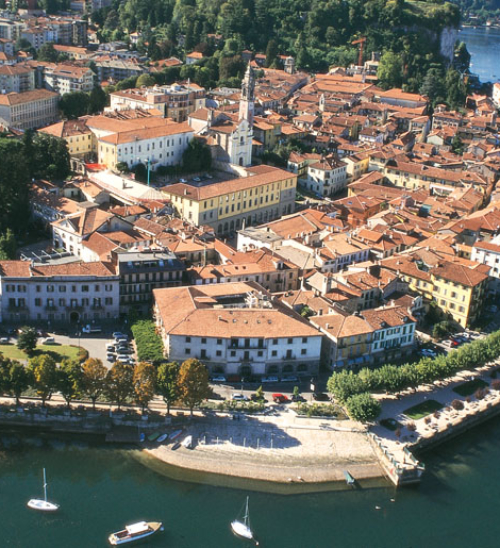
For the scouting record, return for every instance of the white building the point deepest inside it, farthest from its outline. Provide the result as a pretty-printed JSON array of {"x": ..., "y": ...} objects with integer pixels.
[
  {"x": 326, "y": 177},
  {"x": 236, "y": 329},
  {"x": 488, "y": 253},
  {"x": 72, "y": 292},
  {"x": 68, "y": 78}
]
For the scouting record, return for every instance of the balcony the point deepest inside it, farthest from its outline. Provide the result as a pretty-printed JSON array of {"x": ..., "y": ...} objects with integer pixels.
[
  {"x": 291, "y": 357},
  {"x": 17, "y": 307},
  {"x": 50, "y": 307}
]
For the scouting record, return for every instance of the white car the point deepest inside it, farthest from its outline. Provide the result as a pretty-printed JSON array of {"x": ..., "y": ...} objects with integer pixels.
[
  {"x": 124, "y": 358},
  {"x": 4, "y": 340},
  {"x": 239, "y": 397},
  {"x": 218, "y": 378},
  {"x": 111, "y": 358},
  {"x": 49, "y": 340}
]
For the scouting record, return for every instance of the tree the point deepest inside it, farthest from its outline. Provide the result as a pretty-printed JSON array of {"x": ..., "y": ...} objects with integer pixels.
[
  {"x": 7, "y": 245},
  {"x": 122, "y": 167},
  {"x": 363, "y": 407},
  {"x": 119, "y": 383},
  {"x": 50, "y": 157},
  {"x": 94, "y": 377},
  {"x": 271, "y": 52},
  {"x": 15, "y": 181},
  {"x": 70, "y": 380},
  {"x": 97, "y": 100},
  {"x": 457, "y": 145},
  {"x": 27, "y": 339},
  {"x": 433, "y": 86},
  {"x": 193, "y": 383},
  {"x": 74, "y": 104},
  {"x": 145, "y": 80},
  {"x": 47, "y": 53},
  {"x": 167, "y": 386},
  {"x": 18, "y": 379},
  {"x": 43, "y": 368},
  {"x": 390, "y": 70},
  {"x": 197, "y": 156},
  {"x": 259, "y": 393},
  {"x": 456, "y": 89},
  {"x": 144, "y": 383}
]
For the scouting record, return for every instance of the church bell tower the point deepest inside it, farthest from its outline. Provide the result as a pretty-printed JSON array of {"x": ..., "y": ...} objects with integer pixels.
[{"x": 247, "y": 96}]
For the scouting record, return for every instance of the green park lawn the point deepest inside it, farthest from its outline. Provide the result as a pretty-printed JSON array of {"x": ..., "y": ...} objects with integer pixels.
[
  {"x": 468, "y": 388},
  {"x": 58, "y": 352},
  {"x": 423, "y": 409}
]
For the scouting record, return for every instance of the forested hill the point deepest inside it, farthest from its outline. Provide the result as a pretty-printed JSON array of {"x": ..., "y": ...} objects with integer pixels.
[{"x": 318, "y": 32}]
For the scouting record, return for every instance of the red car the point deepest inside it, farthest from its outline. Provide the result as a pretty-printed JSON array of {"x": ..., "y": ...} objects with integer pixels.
[{"x": 280, "y": 398}]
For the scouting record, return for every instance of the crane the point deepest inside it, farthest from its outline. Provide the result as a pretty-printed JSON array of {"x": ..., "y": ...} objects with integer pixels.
[{"x": 361, "y": 41}]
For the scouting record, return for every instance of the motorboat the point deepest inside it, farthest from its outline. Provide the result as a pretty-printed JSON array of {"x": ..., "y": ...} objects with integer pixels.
[
  {"x": 187, "y": 442},
  {"x": 135, "y": 532}
]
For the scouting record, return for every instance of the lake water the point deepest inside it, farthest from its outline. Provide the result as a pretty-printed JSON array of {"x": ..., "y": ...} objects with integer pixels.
[
  {"x": 102, "y": 489},
  {"x": 484, "y": 46}
]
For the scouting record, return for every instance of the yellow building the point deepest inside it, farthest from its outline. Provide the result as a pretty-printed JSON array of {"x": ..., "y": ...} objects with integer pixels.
[
  {"x": 459, "y": 290},
  {"x": 267, "y": 193},
  {"x": 76, "y": 134}
]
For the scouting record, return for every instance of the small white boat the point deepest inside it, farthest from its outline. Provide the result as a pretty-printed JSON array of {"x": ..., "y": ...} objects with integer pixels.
[
  {"x": 187, "y": 442},
  {"x": 134, "y": 532},
  {"x": 162, "y": 438},
  {"x": 241, "y": 528},
  {"x": 43, "y": 505}
]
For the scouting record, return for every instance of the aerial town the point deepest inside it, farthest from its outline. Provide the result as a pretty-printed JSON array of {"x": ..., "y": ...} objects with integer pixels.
[{"x": 330, "y": 230}]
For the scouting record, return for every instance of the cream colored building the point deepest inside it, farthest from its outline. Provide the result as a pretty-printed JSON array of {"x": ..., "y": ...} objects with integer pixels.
[
  {"x": 68, "y": 78},
  {"x": 265, "y": 194},
  {"x": 29, "y": 110},
  {"x": 177, "y": 101}
]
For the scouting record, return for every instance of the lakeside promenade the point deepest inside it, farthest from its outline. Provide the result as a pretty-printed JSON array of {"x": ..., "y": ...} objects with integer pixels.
[{"x": 283, "y": 447}]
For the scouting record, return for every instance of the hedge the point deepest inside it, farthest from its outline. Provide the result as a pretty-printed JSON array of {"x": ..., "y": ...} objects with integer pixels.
[
  {"x": 148, "y": 342},
  {"x": 392, "y": 378}
]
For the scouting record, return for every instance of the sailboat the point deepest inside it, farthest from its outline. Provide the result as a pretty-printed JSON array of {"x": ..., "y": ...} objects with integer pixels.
[
  {"x": 241, "y": 528},
  {"x": 43, "y": 504}
]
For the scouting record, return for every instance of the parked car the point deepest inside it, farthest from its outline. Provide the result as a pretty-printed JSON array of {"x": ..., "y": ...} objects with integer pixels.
[
  {"x": 111, "y": 358},
  {"x": 298, "y": 398},
  {"x": 110, "y": 347},
  {"x": 118, "y": 334},
  {"x": 270, "y": 379},
  {"x": 218, "y": 378},
  {"x": 319, "y": 396},
  {"x": 428, "y": 353},
  {"x": 239, "y": 397},
  {"x": 122, "y": 339},
  {"x": 49, "y": 340},
  {"x": 91, "y": 329},
  {"x": 124, "y": 350},
  {"x": 4, "y": 340},
  {"x": 196, "y": 179},
  {"x": 280, "y": 398},
  {"x": 122, "y": 358},
  {"x": 290, "y": 378},
  {"x": 183, "y": 180}
]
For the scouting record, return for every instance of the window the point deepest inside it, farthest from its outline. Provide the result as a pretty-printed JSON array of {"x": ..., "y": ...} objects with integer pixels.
[
  {"x": 304, "y": 340},
  {"x": 85, "y": 288},
  {"x": 290, "y": 341},
  {"x": 187, "y": 351},
  {"x": 303, "y": 351},
  {"x": 38, "y": 302},
  {"x": 203, "y": 340},
  {"x": 108, "y": 300},
  {"x": 233, "y": 353},
  {"x": 218, "y": 353},
  {"x": 275, "y": 341}
]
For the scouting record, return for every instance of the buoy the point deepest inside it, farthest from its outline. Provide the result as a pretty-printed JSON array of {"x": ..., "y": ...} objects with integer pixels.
[
  {"x": 378, "y": 508},
  {"x": 393, "y": 500}
]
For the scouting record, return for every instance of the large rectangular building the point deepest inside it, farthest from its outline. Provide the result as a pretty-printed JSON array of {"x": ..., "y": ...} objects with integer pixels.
[
  {"x": 74, "y": 292},
  {"x": 29, "y": 110},
  {"x": 267, "y": 193},
  {"x": 236, "y": 329}
]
